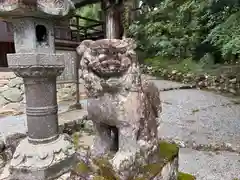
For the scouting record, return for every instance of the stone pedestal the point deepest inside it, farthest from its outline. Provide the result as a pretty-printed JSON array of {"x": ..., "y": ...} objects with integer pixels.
[{"x": 42, "y": 161}]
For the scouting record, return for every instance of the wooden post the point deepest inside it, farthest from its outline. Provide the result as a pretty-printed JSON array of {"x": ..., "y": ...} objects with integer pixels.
[
  {"x": 77, "y": 105},
  {"x": 113, "y": 19},
  {"x": 103, "y": 17}
]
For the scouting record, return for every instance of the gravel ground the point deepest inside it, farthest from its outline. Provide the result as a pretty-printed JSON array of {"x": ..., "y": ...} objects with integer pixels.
[
  {"x": 200, "y": 117},
  {"x": 209, "y": 165}
]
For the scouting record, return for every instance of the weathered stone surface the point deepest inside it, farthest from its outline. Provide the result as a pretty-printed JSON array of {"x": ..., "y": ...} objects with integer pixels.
[
  {"x": 59, "y": 154},
  {"x": 3, "y": 101},
  {"x": 2, "y": 144},
  {"x": 14, "y": 106},
  {"x": 3, "y": 88},
  {"x": 121, "y": 103},
  {"x": 12, "y": 125},
  {"x": 7, "y": 75},
  {"x": 64, "y": 176},
  {"x": 13, "y": 94},
  {"x": 165, "y": 166},
  {"x": 65, "y": 91},
  {"x": 5, "y": 173},
  {"x": 13, "y": 128},
  {"x": 22, "y": 87},
  {"x": 3, "y": 82},
  {"x": 12, "y": 109},
  {"x": 24, "y": 99},
  {"x": 16, "y": 82}
]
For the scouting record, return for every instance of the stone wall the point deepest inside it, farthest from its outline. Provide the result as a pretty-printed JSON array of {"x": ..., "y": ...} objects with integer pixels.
[
  {"x": 12, "y": 88},
  {"x": 70, "y": 57}
]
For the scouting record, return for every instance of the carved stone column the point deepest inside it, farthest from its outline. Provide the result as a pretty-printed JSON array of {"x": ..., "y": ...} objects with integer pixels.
[{"x": 44, "y": 154}]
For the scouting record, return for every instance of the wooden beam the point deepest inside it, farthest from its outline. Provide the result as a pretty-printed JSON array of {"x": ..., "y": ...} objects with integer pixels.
[{"x": 85, "y": 2}]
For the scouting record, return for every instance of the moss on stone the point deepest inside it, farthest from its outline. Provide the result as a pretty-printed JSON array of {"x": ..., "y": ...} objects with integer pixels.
[
  {"x": 82, "y": 168},
  {"x": 75, "y": 138},
  {"x": 105, "y": 169},
  {"x": 152, "y": 169},
  {"x": 185, "y": 176},
  {"x": 168, "y": 151},
  {"x": 99, "y": 178}
]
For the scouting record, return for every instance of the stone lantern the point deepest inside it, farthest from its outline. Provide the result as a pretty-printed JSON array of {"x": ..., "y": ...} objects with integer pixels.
[{"x": 44, "y": 154}]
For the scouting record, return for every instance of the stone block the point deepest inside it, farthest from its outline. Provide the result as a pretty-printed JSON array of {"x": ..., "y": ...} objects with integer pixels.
[
  {"x": 3, "y": 101},
  {"x": 42, "y": 161},
  {"x": 13, "y": 95},
  {"x": 165, "y": 166},
  {"x": 16, "y": 82}
]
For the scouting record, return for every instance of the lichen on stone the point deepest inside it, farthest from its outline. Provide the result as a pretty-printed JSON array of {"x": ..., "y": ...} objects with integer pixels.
[{"x": 185, "y": 176}]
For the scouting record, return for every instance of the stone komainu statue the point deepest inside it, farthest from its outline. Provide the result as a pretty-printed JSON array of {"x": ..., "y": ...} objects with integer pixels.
[{"x": 123, "y": 107}]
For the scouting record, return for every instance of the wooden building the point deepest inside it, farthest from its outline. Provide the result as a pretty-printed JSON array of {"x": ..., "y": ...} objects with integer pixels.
[{"x": 6, "y": 42}]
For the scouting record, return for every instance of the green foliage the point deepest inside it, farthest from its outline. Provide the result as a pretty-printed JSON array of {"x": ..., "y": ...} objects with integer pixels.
[
  {"x": 89, "y": 11},
  {"x": 184, "y": 66},
  {"x": 185, "y": 29},
  {"x": 226, "y": 37}
]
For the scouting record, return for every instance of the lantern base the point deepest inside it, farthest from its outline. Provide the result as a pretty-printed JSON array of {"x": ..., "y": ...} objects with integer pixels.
[{"x": 43, "y": 161}]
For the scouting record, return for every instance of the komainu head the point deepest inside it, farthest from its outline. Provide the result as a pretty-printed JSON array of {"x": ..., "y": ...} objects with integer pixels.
[{"x": 107, "y": 57}]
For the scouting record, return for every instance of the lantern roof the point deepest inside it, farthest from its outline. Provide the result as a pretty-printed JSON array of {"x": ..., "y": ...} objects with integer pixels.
[{"x": 36, "y": 8}]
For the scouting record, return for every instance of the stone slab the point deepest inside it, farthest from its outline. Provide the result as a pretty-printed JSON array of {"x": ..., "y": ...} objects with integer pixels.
[{"x": 209, "y": 165}]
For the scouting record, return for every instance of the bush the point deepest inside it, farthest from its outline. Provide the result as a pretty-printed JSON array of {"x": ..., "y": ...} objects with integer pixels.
[{"x": 190, "y": 29}]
